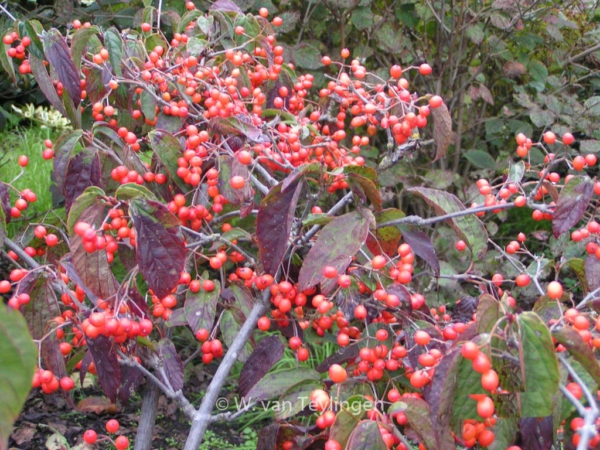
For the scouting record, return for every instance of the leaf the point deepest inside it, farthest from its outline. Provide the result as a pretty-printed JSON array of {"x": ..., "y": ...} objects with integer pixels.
[
  {"x": 442, "y": 129},
  {"x": 5, "y": 204},
  {"x": 160, "y": 251},
  {"x": 230, "y": 167},
  {"x": 277, "y": 383},
  {"x": 475, "y": 34},
  {"x": 385, "y": 239},
  {"x": 485, "y": 94},
  {"x": 268, "y": 351},
  {"x": 589, "y": 146},
  {"x": 366, "y": 436},
  {"x": 188, "y": 18},
  {"x": 488, "y": 313},
  {"x": 538, "y": 70},
  {"x": 148, "y": 105},
  {"x": 421, "y": 244},
  {"x": 468, "y": 227},
  {"x": 505, "y": 432},
  {"x": 307, "y": 56},
  {"x": 200, "y": 308},
  {"x": 572, "y": 204},
  {"x": 480, "y": 159},
  {"x": 225, "y": 5},
  {"x": 577, "y": 265},
  {"x": 42, "y": 308},
  {"x": 172, "y": 363},
  {"x": 516, "y": 172},
  {"x": 500, "y": 20},
  {"x": 238, "y": 125},
  {"x": 295, "y": 399},
  {"x": 28, "y": 28},
  {"x": 104, "y": 354},
  {"x": 243, "y": 297},
  {"x": 592, "y": 272},
  {"x": 337, "y": 243},
  {"x": 19, "y": 360},
  {"x": 168, "y": 149},
  {"x": 273, "y": 225},
  {"x": 368, "y": 187},
  {"x": 79, "y": 42},
  {"x": 577, "y": 347},
  {"x": 463, "y": 406},
  {"x": 114, "y": 45},
  {"x": 7, "y": 62},
  {"x": 93, "y": 268},
  {"x": 419, "y": 419},
  {"x": 537, "y": 433},
  {"x": 45, "y": 84},
  {"x": 362, "y": 18},
  {"x": 539, "y": 366},
  {"x": 58, "y": 55},
  {"x": 230, "y": 327},
  {"x": 83, "y": 171},
  {"x": 129, "y": 191}
]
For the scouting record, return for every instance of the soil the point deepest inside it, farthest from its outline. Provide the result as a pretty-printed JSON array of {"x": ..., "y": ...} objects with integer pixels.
[{"x": 43, "y": 415}]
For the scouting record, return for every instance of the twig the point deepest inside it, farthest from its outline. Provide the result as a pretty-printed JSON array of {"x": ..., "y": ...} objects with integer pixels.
[
  {"x": 339, "y": 205},
  {"x": 5, "y": 11},
  {"x": 588, "y": 298},
  {"x": 203, "y": 416},
  {"x": 583, "y": 54}
]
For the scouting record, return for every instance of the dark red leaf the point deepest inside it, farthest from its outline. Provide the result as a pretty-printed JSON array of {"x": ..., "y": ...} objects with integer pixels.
[
  {"x": 85, "y": 365},
  {"x": 537, "y": 433},
  {"x": 225, "y": 5},
  {"x": 464, "y": 309},
  {"x": 268, "y": 351},
  {"x": 403, "y": 294},
  {"x": 297, "y": 173},
  {"x": 344, "y": 354},
  {"x": 172, "y": 363},
  {"x": 337, "y": 243},
  {"x": 63, "y": 149},
  {"x": 58, "y": 55},
  {"x": 238, "y": 125},
  {"x": 104, "y": 353},
  {"x": 67, "y": 264},
  {"x": 422, "y": 246},
  {"x": 131, "y": 378},
  {"x": 572, "y": 204},
  {"x": 579, "y": 349},
  {"x": 273, "y": 225},
  {"x": 592, "y": 271},
  {"x": 267, "y": 437},
  {"x": 83, "y": 171},
  {"x": 41, "y": 309},
  {"x": 366, "y": 436},
  {"x": 96, "y": 84},
  {"x": 137, "y": 303},
  {"x": 160, "y": 251},
  {"x": 45, "y": 84},
  {"x": 92, "y": 269},
  {"x": 368, "y": 188}
]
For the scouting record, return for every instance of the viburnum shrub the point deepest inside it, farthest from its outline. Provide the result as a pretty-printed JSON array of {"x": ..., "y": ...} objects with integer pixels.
[{"x": 209, "y": 187}]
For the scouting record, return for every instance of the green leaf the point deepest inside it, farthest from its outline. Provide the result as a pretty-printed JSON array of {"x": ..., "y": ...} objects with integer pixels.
[
  {"x": 538, "y": 71},
  {"x": 295, "y": 399},
  {"x": 417, "y": 414},
  {"x": 475, "y": 33},
  {"x": 307, "y": 57},
  {"x": 389, "y": 38},
  {"x": 577, "y": 265},
  {"x": 277, "y": 383},
  {"x": 469, "y": 228},
  {"x": 168, "y": 149},
  {"x": 516, "y": 172},
  {"x": 28, "y": 28},
  {"x": 7, "y": 62},
  {"x": 539, "y": 366},
  {"x": 488, "y": 313},
  {"x": 480, "y": 159},
  {"x": 2, "y": 225},
  {"x": 362, "y": 18},
  {"x": 592, "y": 105},
  {"x": 589, "y": 146},
  {"x": 130, "y": 191},
  {"x": 366, "y": 436},
  {"x": 505, "y": 432},
  {"x": 19, "y": 359},
  {"x": 79, "y": 42},
  {"x": 148, "y": 105},
  {"x": 187, "y": 18},
  {"x": 196, "y": 45},
  {"x": 317, "y": 219},
  {"x": 114, "y": 45},
  {"x": 229, "y": 329}
]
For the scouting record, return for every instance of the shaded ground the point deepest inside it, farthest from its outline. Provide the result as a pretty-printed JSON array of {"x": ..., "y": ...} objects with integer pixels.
[{"x": 45, "y": 415}]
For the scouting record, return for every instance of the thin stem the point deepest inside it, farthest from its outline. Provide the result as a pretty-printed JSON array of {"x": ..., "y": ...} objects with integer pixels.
[{"x": 5, "y": 11}]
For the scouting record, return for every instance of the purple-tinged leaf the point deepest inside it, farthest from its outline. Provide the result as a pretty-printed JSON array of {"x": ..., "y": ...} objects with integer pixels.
[
  {"x": 273, "y": 225},
  {"x": 244, "y": 300},
  {"x": 337, "y": 243},
  {"x": 297, "y": 173},
  {"x": 225, "y": 5},
  {"x": 464, "y": 309},
  {"x": 276, "y": 384},
  {"x": 131, "y": 378},
  {"x": 63, "y": 149},
  {"x": 93, "y": 268},
  {"x": 67, "y": 264},
  {"x": 42, "y": 308},
  {"x": 572, "y": 204},
  {"x": 96, "y": 85},
  {"x": 83, "y": 171},
  {"x": 468, "y": 227},
  {"x": 79, "y": 41},
  {"x": 58, "y": 55},
  {"x": 442, "y": 130},
  {"x": 85, "y": 365},
  {"x": 104, "y": 353},
  {"x": 578, "y": 348},
  {"x": 172, "y": 363},
  {"x": 343, "y": 355},
  {"x": 230, "y": 326},
  {"x": 402, "y": 293},
  {"x": 160, "y": 251},
  {"x": 366, "y": 436},
  {"x": 5, "y": 200},
  {"x": 274, "y": 435},
  {"x": 537, "y": 433},
  {"x": 268, "y": 351},
  {"x": 238, "y": 125},
  {"x": 419, "y": 419},
  {"x": 137, "y": 303},
  {"x": 199, "y": 310},
  {"x": 421, "y": 244},
  {"x": 296, "y": 399},
  {"x": 592, "y": 272},
  {"x": 267, "y": 437},
  {"x": 45, "y": 84},
  {"x": 229, "y": 168},
  {"x": 488, "y": 313}
]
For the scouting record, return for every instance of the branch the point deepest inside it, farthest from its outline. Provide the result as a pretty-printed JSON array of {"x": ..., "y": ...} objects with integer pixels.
[
  {"x": 588, "y": 298},
  {"x": 5, "y": 11},
  {"x": 339, "y": 205},
  {"x": 202, "y": 416},
  {"x": 143, "y": 437},
  {"x": 583, "y": 54}
]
